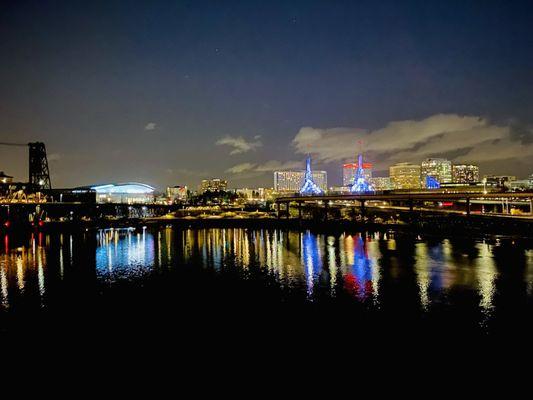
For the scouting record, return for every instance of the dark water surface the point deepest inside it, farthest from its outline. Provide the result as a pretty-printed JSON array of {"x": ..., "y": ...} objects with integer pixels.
[{"x": 171, "y": 279}]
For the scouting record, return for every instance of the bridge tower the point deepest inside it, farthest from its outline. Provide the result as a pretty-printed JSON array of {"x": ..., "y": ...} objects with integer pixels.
[
  {"x": 39, "y": 174},
  {"x": 360, "y": 184},
  {"x": 309, "y": 186}
]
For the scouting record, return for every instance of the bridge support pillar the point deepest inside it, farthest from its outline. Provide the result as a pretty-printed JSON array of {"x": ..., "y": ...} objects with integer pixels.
[
  {"x": 300, "y": 210},
  {"x": 468, "y": 206},
  {"x": 363, "y": 209},
  {"x": 277, "y": 210}
]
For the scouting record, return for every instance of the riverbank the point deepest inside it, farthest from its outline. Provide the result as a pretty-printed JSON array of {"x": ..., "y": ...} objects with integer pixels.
[{"x": 439, "y": 225}]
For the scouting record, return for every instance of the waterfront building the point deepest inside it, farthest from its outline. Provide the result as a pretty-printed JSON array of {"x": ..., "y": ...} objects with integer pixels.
[
  {"x": 292, "y": 181},
  {"x": 465, "y": 173},
  {"x": 498, "y": 180},
  {"x": 472, "y": 187},
  {"x": 124, "y": 193},
  {"x": 405, "y": 176},
  {"x": 381, "y": 183},
  {"x": 5, "y": 178},
  {"x": 438, "y": 168},
  {"x": 213, "y": 185},
  {"x": 522, "y": 184},
  {"x": 349, "y": 171},
  {"x": 255, "y": 194},
  {"x": 177, "y": 193}
]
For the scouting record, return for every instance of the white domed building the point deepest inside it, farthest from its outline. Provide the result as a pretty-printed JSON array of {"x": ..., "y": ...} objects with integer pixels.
[{"x": 124, "y": 193}]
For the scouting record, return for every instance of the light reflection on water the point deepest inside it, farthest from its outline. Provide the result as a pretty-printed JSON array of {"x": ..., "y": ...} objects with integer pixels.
[
  {"x": 124, "y": 253},
  {"x": 363, "y": 267}
]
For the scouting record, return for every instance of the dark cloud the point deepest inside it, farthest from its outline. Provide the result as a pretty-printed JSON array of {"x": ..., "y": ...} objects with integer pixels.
[{"x": 461, "y": 138}]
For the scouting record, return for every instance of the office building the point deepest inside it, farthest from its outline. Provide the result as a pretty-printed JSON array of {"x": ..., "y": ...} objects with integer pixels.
[
  {"x": 465, "y": 173},
  {"x": 438, "y": 168},
  {"x": 292, "y": 181},
  {"x": 213, "y": 185},
  {"x": 405, "y": 176},
  {"x": 380, "y": 183}
]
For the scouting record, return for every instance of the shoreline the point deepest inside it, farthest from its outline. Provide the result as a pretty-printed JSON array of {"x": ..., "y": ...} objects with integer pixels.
[{"x": 444, "y": 227}]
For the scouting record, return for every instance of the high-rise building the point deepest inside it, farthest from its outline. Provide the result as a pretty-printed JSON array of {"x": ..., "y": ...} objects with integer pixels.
[
  {"x": 255, "y": 194},
  {"x": 213, "y": 185},
  {"x": 380, "y": 183},
  {"x": 465, "y": 173},
  {"x": 438, "y": 168},
  {"x": 405, "y": 176},
  {"x": 349, "y": 170},
  {"x": 177, "y": 193},
  {"x": 292, "y": 181}
]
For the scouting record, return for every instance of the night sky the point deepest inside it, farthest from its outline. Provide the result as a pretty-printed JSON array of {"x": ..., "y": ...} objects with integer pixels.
[{"x": 169, "y": 93}]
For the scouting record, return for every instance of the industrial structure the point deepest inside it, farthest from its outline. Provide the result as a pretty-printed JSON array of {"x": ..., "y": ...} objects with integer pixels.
[{"x": 38, "y": 172}]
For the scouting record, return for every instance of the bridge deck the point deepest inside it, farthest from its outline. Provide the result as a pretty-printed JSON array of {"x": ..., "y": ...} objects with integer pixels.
[{"x": 408, "y": 196}]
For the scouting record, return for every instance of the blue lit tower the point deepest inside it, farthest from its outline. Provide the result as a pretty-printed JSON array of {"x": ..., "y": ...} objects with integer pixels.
[
  {"x": 309, "y": 186},
  {"x": 432, "y": 182},
  {"x": 360, "y": 184}
]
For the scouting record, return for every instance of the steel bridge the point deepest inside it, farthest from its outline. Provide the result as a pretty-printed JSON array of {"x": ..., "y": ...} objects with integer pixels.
[{"x": 38, "y": 171}]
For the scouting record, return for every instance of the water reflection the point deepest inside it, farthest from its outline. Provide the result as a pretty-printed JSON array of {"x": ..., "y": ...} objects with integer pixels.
[
  {"x": 381, "y": 271},
  {"x": 22, "y": 268},
  {"x": 124, "y": 253}
]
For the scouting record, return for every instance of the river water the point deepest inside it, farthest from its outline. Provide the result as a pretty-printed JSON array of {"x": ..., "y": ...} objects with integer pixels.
[{"x": 168, "y": 274}]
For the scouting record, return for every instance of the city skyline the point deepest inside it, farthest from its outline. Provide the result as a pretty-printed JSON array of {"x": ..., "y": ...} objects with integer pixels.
[{"x": 173, "y": 93}]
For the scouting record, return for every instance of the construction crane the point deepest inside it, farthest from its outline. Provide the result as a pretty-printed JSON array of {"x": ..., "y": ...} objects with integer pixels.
[{"x": 38, "y": 174}]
